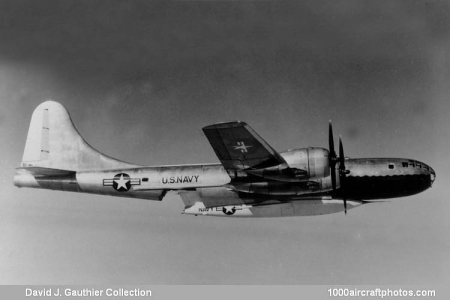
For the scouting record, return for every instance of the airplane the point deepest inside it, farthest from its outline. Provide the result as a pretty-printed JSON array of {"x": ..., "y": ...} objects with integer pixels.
[{"x": 252, "y": 179}]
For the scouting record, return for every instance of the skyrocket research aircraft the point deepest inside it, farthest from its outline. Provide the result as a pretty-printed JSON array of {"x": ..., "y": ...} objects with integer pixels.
[{"x": 252, "y": 180}]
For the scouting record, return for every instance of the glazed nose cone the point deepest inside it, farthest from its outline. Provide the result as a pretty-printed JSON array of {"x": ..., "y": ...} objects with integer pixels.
[{"x": 432, "y": 176}]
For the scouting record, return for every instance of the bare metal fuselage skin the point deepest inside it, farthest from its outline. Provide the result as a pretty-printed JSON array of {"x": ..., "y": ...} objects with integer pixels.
[
  {"x": 382, "y": 178},
  {"x": 292, "y": 183},
  {"x": 369, "y": 179}
]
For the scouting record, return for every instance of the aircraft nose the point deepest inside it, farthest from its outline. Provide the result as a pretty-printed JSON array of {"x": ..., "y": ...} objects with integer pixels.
[
  {"x": 427, "y": 170},
  {"x": 432, "y": 176}
]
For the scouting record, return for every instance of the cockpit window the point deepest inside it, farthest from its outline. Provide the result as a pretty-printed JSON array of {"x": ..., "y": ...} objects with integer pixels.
[
  {"x": 391, "y": 166},
  {"x": 405, "y": 165}
]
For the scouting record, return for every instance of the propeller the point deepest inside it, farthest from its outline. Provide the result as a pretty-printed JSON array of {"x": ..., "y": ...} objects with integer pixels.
[{"x": 333, "y": 159}]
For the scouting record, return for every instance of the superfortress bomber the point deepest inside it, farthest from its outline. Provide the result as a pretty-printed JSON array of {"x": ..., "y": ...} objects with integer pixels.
[{"x": 252, "y": 179}]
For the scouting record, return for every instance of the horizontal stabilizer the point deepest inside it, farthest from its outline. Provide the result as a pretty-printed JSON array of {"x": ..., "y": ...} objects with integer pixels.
[{"x": 38, "y": 171}]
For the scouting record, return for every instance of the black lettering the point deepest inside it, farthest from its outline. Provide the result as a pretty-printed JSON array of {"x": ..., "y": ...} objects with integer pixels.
[{"x": 180, "y": 179}]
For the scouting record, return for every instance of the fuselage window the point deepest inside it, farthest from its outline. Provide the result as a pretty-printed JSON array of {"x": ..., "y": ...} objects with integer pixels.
[
  {"x": 391, "y": 166},
  {"x": 145, "y": 179}
]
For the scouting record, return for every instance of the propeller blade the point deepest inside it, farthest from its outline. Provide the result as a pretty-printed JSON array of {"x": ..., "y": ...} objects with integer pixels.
[
  {"x": 331, "y": 140},
  {"x": 341, "y": 155},
  {"x": 342, "y": 172},
  {"x": 332, "y": 156},
  {"x": 333, "y": 178}
]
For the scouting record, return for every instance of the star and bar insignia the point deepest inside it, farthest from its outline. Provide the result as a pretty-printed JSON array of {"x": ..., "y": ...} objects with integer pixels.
[
  {"x": 121, "y": 182},
  {"x": 229, "y": 211}
]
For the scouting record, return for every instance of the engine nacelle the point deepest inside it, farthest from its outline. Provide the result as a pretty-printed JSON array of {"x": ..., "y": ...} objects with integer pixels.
[{"x": 313, "y": 161}]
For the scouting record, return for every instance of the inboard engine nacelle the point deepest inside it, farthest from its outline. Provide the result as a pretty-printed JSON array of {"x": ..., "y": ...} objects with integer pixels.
[
  {"x": 313, "y": 162},
  {"x": 299, "y": 165}
]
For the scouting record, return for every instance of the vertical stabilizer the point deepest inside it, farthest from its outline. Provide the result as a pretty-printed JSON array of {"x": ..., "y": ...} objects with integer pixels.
[{"x": 53, "y": 142}]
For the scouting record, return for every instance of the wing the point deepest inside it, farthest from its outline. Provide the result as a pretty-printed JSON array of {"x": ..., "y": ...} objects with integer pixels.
[{"x": 239, "y": 147}]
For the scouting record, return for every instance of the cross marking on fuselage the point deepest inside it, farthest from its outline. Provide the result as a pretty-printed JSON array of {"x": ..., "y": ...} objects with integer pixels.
[{"x": 241, "y": 146}]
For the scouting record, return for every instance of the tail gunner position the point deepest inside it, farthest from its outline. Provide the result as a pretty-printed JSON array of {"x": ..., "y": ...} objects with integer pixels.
[{"x": 252, "y": 179}]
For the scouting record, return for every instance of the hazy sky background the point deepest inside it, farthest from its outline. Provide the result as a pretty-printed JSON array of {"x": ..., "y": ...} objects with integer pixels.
[{"x": 141, "y": 78}]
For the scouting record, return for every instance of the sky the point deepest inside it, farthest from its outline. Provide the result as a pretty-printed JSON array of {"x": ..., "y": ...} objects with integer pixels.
[{"x": 141, "y": 78}]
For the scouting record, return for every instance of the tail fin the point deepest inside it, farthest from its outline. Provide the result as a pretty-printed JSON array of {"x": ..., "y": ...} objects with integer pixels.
[{"x": 53, "y": 142}]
